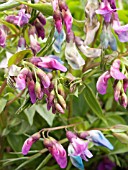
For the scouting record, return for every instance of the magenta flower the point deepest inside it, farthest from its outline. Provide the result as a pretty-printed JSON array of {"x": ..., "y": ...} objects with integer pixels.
[
  {"x": 40, "y": 29},
  {"x": 29, "y": 142},
  {"x": 50, "y": 62},
  {"x": 115, "y": 70},
  {"x": 21, "y": 79},
  {"x": 105, "y": 10},
  {"x": 79, "y": 145},
  {"x": 125, "y": 85},
  {"x": 31, "y": 89},
  {"x": 2, "y": 37},
  {"x": 21, "y": 19},
  {"x": 103, "y": 82},
  {"x": 42, "y": 19},
  {"x": 57, "y": 151},
  {"x": 58, "y": 20}
]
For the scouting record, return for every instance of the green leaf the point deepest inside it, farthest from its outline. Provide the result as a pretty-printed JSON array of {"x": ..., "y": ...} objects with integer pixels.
[
  {"x": 93, "y": 103},
  {"x": 44, "y": 8},
  {"x": 8, "y": 5},
  {"x": 44, "y": 113},
  {"x": 30, "y": 114},
  {"x": 16, "y": 58},
  {"x": 2, "y": 104},
  {"x": 122, "y": 137}
]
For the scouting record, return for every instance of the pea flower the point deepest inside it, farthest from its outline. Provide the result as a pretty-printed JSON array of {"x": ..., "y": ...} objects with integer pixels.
[
  {"x": 21, "y": 19},
  {"x": 57, "y": 151},
  {"x": 2, "y": 37},
  {"x": 71, "y": 53},
  {"x": 40, "y": 29},
  {"x": 106, "y": 11},
  {"x": 59, "y": 39},
  {"x": 58, "y": 20},
  {"x": 29, "y": 142},
  {"x": 78, "y": 148},
  {"x": 49, "y": 62},
  {"x": 97, "y": 138},
  {"x": 35, "y": 46}
]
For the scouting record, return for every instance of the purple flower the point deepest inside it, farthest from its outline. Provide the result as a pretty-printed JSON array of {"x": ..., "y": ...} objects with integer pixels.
[
  {"x": 57, "y": 151},
  {"x": 121, "y": 31},
  {"x": 42, "y": 19},
  {"x": 80, "y": 146},
  {"x": 29, "y": 142},
  {"x": 38, "y": 90},
  {"x": 115, "y": 70},
  {"x": 58, "y": 20},
  {"x": 40, "y": 29},
  {"x": 105, "y": 10},
  {"x": 34, "y": 43},
  {"x": 2, "y": 37},
  {"x": 106, "y": 164},
  {"x": 21, "y": 79},
  {"x": 51, "y": 63},
  {"x": 22, "y": 43},
  {"x": 67, "y": 17},
  {"x": 117, "y": 90},
  {"x": 31, "y": 89},
  {"x": 21, "y": 19},
  {"x": 125, "y": 85},
  {"x": 123, "y": 100},
  {"x": 103, "y": 82},
  {"x": 43, "y": 78}
]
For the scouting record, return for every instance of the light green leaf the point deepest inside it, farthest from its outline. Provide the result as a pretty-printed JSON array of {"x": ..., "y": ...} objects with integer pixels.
[
  {"x": 44, "y": 113},
  {"x": 93, "y": 103},
  {"x": 2, "y": 104},
  {"x": 119, "y": 128},
  {"x": 30, "y": 114},
  {"x": 16, "y": 58}
]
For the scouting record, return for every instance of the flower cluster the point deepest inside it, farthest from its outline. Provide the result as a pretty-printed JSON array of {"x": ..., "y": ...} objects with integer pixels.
[
  {"x": 109, "y": 11},
  {"x": 120, "y": 82},
  {"x": 77, "y": 149}
]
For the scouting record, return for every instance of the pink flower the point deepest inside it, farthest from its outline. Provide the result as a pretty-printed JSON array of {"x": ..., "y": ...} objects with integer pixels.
[
  {"x": 29, "y": 142},
  {"x": 2, "y": 37},
  {"x": 34, "y": 43},
  {"x": 103, "y": 82},
  {"x": 21, "y": 79},
  {"x": 58, "y": 20},
  {"x": 115, "y": 70},
  {"x": 57, "y": 151}
]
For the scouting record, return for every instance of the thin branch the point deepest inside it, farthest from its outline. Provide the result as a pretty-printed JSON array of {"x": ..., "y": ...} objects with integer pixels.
[{"x": 3, "y": 86}]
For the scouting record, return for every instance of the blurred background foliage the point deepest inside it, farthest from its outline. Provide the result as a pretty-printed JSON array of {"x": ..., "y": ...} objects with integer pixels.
[{"x": 17, "y": 124}]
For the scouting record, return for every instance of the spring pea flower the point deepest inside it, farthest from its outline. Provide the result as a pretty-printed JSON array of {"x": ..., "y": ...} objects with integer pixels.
[
  {"x": 72, "y": 55},
  {"x": 80, "y": 146},
  {"x": 2, "y": 37},
  {"x": 57, "y": 151},
  {"x": 58, "y": 20},
  {"x": 97, "y": 138},
  {"x": 49, "y": 62},
  {"x": 107, "y": 38},
  {"x": 59, "y": 39},
  {"x": 105, "y": 10},
  {"x": 20, "y": 20},
  {"x": 29, "y": 142},
  {"x": 86, "y": 50}
]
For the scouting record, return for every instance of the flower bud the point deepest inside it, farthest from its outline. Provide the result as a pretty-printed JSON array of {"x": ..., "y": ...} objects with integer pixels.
[
  {"x": 43, "y": 78},
  {"x": 2, "y": 37},
  {"x": 59, "y": 108},
  {"x": 123, "y": 100},
  {"x": 61, "y": 90},
  {"x": 31, "y": 89},
  {"x": 58, "y": 20},
  {"x": 40, "y": 30},
  {"x": 22, "y": 43},
  {"x": 38, "y": 90},
  {"x": 29, "y": 142},
  {"x": 42, "y": 19},
  {"x": 117, "y": 90},
  {"x": 61, "y": 101},
  {"x": 34, "y": 43}
]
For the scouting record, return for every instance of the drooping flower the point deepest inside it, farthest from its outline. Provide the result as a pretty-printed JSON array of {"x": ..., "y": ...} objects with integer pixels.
[
  {"x": 59, "y": 39},
  {"x": 49, "y": 62},
  {"x": 42, "y": 19},
  {"x": 34, "y": 43},
  {"x": 115, "y": 70},
  {"x": 40, "y": 29},
  {"x": 80, "y": 146},
  {"x": 29, "y": 142},
  {"x": 21, "y": 79},
  {"x": 72, "y": 55},
  {"x": 108, "y": 39},
  {"x": 106, "y": 11},
  {"x": 102, "y": 82},
  {"x": 2, "y": 37},
  {"x": 22, "y": 43},
  {"x": 86, "y": 50},
  {"x": 117, "y": 90},
  {"x": 21, "y": 19},
  {"x": 58, "y": 20},
  {"x": 90, "y": 9},
  {"x": 57, "y": 151},
  {"x": 97, "y": 138},
  {"x": 123, "y": 100}
]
